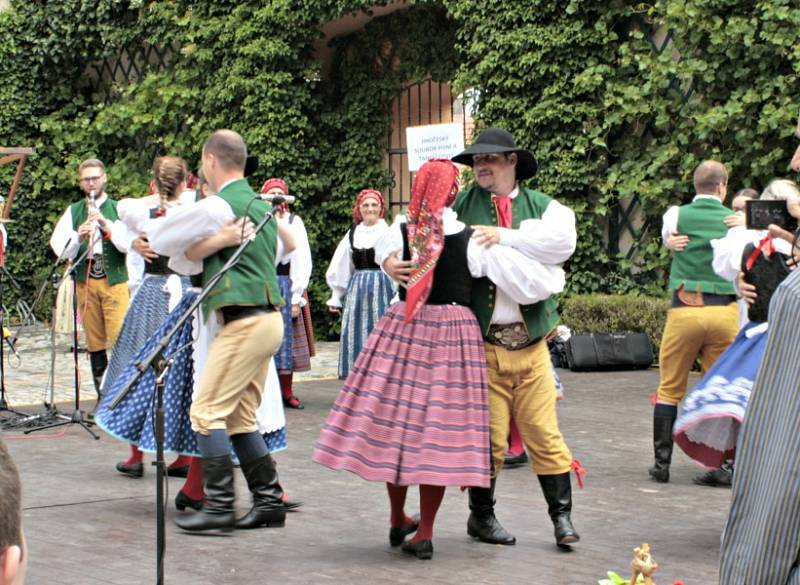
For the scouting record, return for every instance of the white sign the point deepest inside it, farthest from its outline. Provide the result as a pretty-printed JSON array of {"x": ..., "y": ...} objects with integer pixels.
[{"x": 433, "y": 141}]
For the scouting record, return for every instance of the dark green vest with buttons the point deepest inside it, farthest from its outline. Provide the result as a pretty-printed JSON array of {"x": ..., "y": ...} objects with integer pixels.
[
  {"x": 475, "y": 207},
  {"x": 702, "y": 220},
  {"x": 252, "y": 281},
  {"x": 113, "y": 259}
]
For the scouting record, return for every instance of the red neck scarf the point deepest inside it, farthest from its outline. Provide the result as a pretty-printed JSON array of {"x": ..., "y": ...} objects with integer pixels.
[{"x": 435, "y": 188}]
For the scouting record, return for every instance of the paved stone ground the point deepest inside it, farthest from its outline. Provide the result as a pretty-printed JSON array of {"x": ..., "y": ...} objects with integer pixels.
[{"x": 87, "y": 525}]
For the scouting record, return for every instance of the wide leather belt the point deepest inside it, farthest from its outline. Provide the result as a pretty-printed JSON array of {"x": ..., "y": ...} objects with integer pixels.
[
  {"x": 236, "y": 312},
  {"x": 510, "y": 336}
]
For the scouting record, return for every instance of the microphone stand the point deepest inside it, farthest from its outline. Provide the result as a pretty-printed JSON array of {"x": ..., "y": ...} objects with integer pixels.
[
  {"x": 4, "y": 405},
  {"x": 77, "y": 414},
  {"x": 161, "y": 364},
  {"x": 51, "y": 412}
]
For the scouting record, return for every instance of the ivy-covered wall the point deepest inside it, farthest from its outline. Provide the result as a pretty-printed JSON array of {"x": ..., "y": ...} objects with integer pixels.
[
  {"x": 578, "y": 82},
  {"x": 581, "y": 84}
]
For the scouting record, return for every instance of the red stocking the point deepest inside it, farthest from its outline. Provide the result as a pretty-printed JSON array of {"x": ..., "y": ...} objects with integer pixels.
[
  {"x": 515, "y": 445},
  {"x": 180, "y": 461},
  {"x": 286, "y": 386},
  {"x": 136, "y": 456},
  {"x": 430, "y": 498},
  {"x": 397, "y": 501},
  {"x": 193, "y": 486}
]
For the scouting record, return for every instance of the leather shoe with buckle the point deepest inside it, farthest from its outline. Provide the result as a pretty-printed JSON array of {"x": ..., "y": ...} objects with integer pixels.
[{"x": 130, "y": 469}]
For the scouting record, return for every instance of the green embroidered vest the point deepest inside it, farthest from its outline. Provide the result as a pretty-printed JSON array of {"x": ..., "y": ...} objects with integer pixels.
[
  {"x": 252, "y": 282},
  {"x": 475, "y": 207},
  {"x": 113, "y": 259},
  {"x": 703, "y": 221}
]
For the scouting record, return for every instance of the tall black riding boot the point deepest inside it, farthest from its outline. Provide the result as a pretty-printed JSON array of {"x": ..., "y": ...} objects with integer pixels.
[
  {"x": 218, "y": 510},
  {"x": 558, "y": 494},
  {"x": 662, "y": 446},
  {"x": 268, "y": 507},
  {"x": 482, "y": 523},
  {"x": 99, "y": 363}
]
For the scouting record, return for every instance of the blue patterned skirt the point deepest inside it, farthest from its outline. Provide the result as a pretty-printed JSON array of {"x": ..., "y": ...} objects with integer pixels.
[
  {"x": 368, "y": 296},
  {"x": 147, "y": 311},
  {"x": 708, "y": 427},
  {"x": 133, "y": 420},
  {"x": 283, "y": 357}
]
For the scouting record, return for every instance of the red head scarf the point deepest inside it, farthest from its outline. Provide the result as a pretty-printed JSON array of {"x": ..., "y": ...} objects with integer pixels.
[
  {"x": 435, "y": 188},
  {"x": 367, "y": 194},
  {"x": 275, "y": 182}
]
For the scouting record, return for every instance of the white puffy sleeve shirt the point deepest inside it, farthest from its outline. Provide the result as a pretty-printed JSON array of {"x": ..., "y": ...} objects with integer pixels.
[
  {"x": 341, "y": 267},
  {"x": 185, "y": 226},
  {"x": 523, "y": 279}
]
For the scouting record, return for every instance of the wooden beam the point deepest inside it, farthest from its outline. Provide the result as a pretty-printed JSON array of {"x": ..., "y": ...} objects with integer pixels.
[{"x": 16, "y": 150}]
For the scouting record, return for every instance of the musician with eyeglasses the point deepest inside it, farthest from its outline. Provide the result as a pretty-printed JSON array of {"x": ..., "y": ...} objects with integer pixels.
[{"x": 101, "y": 276}]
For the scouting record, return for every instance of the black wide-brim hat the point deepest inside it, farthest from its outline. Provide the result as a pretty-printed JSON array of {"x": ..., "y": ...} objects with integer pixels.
[{"x": 497, "y": 140}]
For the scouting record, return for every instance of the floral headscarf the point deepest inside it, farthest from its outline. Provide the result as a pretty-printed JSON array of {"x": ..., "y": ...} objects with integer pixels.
[
  {"x": 435, "y": 187},
  {"x": 367, "y": 194}
]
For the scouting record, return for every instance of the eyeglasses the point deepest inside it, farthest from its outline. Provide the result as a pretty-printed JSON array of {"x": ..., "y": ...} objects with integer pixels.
[
  {"x": 91, "y": 179},
  {"x": 481, "y": 159}
]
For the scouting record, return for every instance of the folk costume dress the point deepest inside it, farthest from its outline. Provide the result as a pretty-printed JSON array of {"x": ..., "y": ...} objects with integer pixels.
[
  {"x": 359, "y": 285},
  {"x": 293, "y": 278},
  {"x": 710, "y": 421},
  {"x": 158, "y": 302},
  {"x": 172, "y": 236},
  {"x": 414, "y": 408}
]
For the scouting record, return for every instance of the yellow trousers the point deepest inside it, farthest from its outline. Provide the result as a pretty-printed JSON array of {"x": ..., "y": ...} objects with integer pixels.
[
  {"x": 688, "y": 333},
  {"x": 234, "y": 373},
  {"x": 521, "y": 385},
  {"x": 102, "y": 312}
]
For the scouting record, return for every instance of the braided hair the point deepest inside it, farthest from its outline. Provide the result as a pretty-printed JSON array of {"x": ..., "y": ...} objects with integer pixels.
[{"x": 170, "y": 172}]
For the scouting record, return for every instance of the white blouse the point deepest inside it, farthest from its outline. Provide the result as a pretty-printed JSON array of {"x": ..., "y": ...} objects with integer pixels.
[
  {"x": 341, "y": 267},
  {"x": 519, "y": 278}
]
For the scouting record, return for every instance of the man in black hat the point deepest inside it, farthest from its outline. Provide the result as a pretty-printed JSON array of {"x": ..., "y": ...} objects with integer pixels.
[{"x": 521, "y": 383}]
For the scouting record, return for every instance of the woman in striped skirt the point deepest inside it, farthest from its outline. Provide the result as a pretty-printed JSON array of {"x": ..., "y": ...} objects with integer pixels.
[
  {"x": 354, "y": 276},
  {"x": 414, "y": 408},
  {"x": 761, "y": 540}
]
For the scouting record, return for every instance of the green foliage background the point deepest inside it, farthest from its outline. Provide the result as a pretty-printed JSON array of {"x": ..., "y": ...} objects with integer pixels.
[{"x": 579, "y": 82}]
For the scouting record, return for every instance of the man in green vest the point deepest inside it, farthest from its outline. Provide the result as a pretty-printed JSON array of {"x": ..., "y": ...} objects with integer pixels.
[
  {"x": 102, "y": 278},
  {"x": 704, "y": 318},
  {"x": 245, "y": 300},
  {"x": 520, "y": 375}
]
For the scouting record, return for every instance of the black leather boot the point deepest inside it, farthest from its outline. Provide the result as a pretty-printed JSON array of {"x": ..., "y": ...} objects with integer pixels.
[
  {"x": 218, "y": 510},
  {"x": 558, "y": 494},
  {"x": 268, "y": 507},
  {"x": 662, "y": 447},
  {"x": 99, "y": 363},
  {"x": 482, "y": 523},
  {"x": 722, "y": 477}
]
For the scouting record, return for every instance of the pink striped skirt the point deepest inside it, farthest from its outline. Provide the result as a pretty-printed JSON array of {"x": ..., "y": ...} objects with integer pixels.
[{"x": 414, "y": 409}]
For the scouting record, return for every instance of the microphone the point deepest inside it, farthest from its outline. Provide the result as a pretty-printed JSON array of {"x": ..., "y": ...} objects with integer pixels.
[
  {"x": 272, "y": 198},
  {"x": 277, "y": 201}
]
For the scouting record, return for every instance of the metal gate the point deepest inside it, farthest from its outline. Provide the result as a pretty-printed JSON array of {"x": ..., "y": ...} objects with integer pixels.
[{"x": 421, "y": 103}]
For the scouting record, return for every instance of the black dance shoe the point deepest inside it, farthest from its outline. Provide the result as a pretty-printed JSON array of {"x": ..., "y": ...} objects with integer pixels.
[
  {"x": 423, "y": 549},
  {"x": 514, "y": 461},
  {"x": 182, "y": 501},
  {"x": 293, "y": 402},
  {"x": 182, "y": 471},
  {"x": 130, "y": 469},
  {"x": 398, "y": 535}
]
